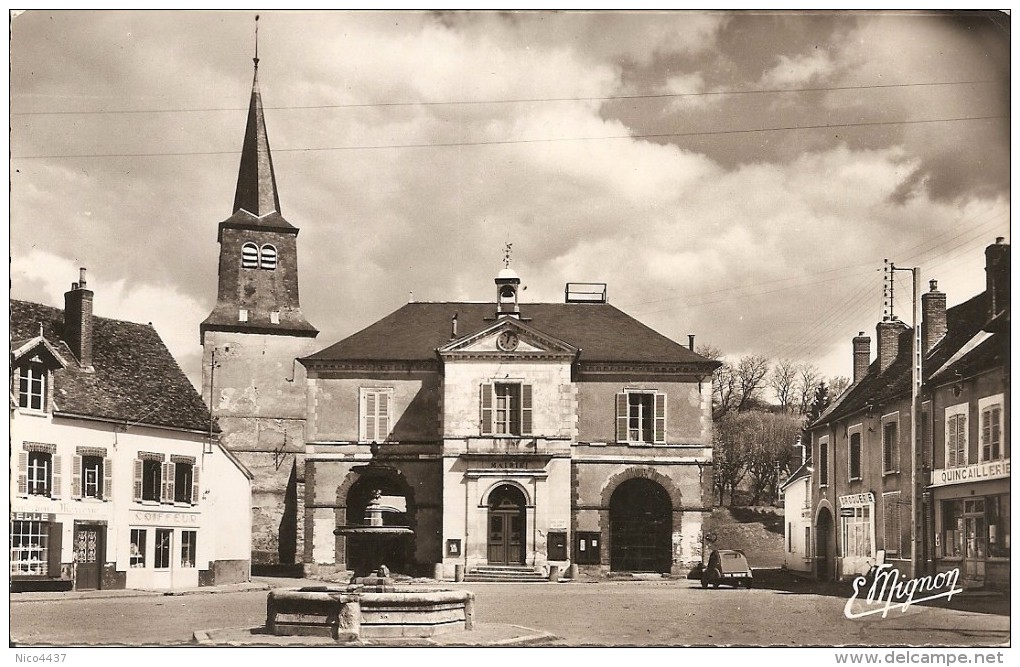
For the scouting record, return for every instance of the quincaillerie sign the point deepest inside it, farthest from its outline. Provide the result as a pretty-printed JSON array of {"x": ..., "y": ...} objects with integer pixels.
[{"x": 972, "y": 473}]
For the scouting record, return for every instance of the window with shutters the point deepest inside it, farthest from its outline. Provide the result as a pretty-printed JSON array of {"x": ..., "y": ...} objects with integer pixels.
[
  {"x": 376, "y": 414},
  {"x": 506, "y": 408},
  {"x": 641, "y": 417},
  {"x": 91, "y": 476},
  {"x": 891, "y": 512},
  {"x": 991, "y": 427},
  {"x": 890, "y": 443},
  {"x": 823, "y": 462},
  {"x": 32, "y": 387},
  {"x": 40, "y": 474},
  {"x": 185, "y": 480},
  {"x": 267, "y": 258},
  {"x": 249, "y": 256},
  {"x": 151, "y": 479},
  {"x": 956, "y": 436},
  {"x": 854, "y": 454}
]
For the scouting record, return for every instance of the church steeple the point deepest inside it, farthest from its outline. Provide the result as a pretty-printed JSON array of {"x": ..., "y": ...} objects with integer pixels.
[{"x": 256, "y": 182}]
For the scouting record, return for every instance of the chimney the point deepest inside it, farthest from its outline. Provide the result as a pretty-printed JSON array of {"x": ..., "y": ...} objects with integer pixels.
[
  {"x": 453, "y": 327},
  {"x": 78, "y": 320},
  {"x": 933, "y": 317},
  {"x": 862, "y": 356},
  {"x": 889, "y": 342},
  {"x": 690, "y": 342},
  {"x": 997, "y": 276}
]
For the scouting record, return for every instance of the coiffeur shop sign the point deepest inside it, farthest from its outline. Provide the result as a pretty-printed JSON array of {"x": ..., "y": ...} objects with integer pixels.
[
  {"x": 973, "y": 473},
  {"x": 165, "y": 518}
]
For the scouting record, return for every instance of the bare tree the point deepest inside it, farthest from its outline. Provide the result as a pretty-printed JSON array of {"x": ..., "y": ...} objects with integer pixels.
[
  {"x": 729, "y": 455},
  {"x": 769, "y": 452},
  {"x": 808, "y": 379},
  {"x": 837, "y": 385},
  {"x": 783, "y": 383},
  {"x": 752, "y": 371},
  {"x": 724, "y": 382}
]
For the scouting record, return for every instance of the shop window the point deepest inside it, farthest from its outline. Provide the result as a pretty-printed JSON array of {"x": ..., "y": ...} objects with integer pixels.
[
  {"x": 138, "y": 537},
  {"x": 188, "y": 541},
  {"x": 997, "y": 511},
  {"x": 32, "y": 387},
  {"x": 506, "y": 408},
  {"x": 29, "y": 541},
  {"x": 991, "y": 429},
  {"x": 161, "y": 555},
  {"x": 376, "y": 407},
  {"x": 641, "y": 417},
  {"x": 855, "y": 456},
  {"x": 857, "y": 533},
  {"x": 956, "y": 436}
]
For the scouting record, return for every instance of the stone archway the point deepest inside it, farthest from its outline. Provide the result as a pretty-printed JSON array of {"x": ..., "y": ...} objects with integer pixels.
[
  {"x": 363, "y": 554},
  {"x": 825, "y": 545},
  {"x": 640, "y": 527}
]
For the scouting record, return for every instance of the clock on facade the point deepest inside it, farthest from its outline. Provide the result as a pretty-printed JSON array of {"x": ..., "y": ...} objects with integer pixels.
[{"x": 507, "y": 341}]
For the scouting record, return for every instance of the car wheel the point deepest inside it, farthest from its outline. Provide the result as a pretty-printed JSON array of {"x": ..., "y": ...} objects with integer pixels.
[
  {"x": 715, "y": 584},
  {"x": 748, "y": 584},
  {"x": 704, "y": 584}
]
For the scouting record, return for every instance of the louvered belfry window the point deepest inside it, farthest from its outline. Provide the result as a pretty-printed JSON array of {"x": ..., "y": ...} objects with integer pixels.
[
  {"x": 249, "y": 256},
  {"x": 267, "y": 258}
]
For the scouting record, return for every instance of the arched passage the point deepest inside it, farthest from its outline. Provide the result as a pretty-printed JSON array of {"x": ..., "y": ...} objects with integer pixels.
[
  {"x": 367, "y": 552},
  {"x": 507, "y": 536},
  {"x": 640, "y": 527}
]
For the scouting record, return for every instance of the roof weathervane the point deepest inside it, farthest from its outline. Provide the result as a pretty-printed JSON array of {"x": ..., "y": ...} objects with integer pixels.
[
  {"x": 507, "y": 251},
  {"x": 256, "y": 58}
]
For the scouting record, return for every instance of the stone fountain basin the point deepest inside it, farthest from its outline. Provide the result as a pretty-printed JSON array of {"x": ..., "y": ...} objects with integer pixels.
[{"x": 394, "y": 611}]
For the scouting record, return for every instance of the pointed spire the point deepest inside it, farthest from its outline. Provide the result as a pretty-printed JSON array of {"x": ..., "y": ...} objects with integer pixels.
[{"x": 256, "y": 180}]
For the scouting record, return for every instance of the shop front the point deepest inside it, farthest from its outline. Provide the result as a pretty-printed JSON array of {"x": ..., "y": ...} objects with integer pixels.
[
  {"x": 972, "y": 523},
  {"x": 857, "y": 533},
  {"x": 161, "y": 550}
]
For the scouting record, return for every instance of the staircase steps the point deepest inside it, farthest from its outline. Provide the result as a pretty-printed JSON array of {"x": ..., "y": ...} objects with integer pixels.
[{"x": 516, "y": 574}]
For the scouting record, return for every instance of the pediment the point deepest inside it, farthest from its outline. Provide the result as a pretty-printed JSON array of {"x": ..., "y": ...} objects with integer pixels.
[
  {"x": 37, "y": 350},
  {"x": 508, "y": 336}
]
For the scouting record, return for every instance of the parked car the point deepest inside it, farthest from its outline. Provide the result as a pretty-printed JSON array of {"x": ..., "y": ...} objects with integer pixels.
[{"x": 728, "y": 567}]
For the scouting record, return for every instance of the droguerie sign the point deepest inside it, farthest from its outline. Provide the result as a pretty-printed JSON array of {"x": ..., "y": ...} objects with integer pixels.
[
  {"x": 890, "y": 589},
  {"x": 971, "y": 473}
]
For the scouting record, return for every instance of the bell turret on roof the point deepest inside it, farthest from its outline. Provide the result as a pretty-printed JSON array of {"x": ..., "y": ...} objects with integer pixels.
[{"x": 256, "y": 182}]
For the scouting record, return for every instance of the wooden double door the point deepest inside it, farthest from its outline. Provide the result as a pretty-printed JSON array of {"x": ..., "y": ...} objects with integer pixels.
[{"x": 507, "y": 519}]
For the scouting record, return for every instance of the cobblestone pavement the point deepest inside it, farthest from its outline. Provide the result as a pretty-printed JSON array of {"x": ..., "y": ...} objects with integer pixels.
[{"x": 615, "y": 613}]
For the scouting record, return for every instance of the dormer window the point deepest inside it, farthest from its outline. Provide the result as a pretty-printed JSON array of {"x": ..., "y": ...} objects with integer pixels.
[
  {"x": 32, "y": 387},
  {"x": 267, "y": 259},
  {"x": 249, "y": 256}
]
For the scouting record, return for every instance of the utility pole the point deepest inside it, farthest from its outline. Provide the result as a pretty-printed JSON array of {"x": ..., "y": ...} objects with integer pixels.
[{"x": 915, "y": 412}]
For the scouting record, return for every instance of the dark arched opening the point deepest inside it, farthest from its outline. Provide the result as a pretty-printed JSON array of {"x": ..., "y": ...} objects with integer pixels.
[
  {"x": 507, "y": 526},
  {"x": 366, "y": 552},
  {"x": 825, "y": 539},
  {"x": 640, "y": 527}
]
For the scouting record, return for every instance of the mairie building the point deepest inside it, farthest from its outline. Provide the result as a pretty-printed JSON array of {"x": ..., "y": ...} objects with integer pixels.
[{"x": 501, "y": 433}]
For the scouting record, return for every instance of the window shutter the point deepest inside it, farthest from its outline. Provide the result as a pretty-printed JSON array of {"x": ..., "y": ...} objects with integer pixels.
[
  {"x": 986, "y": 428},
  {"x": 76, "y": 478},
  {"x": 55, "y": 488},
  {"x": 168, "y": 487},
  {"x": 621, "y": 417},
  {"x": 137, "y": 495},
  {"x": 22, "y": 473},
  {"x": 526, "y": 425},
  {"x": 962, "y": 455},
  {"x": 370, "y": 433},
  {"x": 486, "y": 402},
  {"x": 53, "y": 546},
  {"x": 996, "y": 416},
  {"x": 660, "y": 417},
  {"x": 107, "y": 479},
  {"x": 194, "y": 485},
  {"x": 951, "y": 443},
  {"x": 383, "y": 418}
]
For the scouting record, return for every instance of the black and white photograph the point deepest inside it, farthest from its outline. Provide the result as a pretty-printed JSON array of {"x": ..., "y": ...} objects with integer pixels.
[{"x": 428, "y": 329}]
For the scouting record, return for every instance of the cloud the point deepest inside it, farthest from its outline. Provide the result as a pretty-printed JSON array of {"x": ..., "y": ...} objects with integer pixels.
[{"x": 799, "y": 70}]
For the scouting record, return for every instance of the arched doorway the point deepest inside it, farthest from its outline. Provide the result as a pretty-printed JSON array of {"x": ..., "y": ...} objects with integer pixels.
[
  {"x": 825, "y": 545},
  {"x": 640, "y": 527},
  {"x": 367, "y": 552},
  {"x": 507, "y": 519}
]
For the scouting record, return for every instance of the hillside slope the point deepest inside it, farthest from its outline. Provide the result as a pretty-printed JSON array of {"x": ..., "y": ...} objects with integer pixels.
[{"x": 757, "y": 531}]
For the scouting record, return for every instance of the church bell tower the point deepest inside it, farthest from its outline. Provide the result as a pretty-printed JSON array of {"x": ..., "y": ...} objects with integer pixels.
[{"x": 250, "y": 341}]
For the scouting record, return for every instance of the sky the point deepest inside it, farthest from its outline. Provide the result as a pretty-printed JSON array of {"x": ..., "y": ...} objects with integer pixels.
[{"x": 739, "y": 176}]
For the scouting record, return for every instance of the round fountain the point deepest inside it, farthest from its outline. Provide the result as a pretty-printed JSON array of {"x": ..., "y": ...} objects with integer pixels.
[{"x": 371, "y": 605}]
